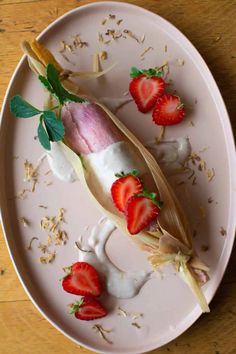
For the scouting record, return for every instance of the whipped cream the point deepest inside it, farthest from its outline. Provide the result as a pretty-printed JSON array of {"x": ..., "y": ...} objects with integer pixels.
[
  {"x": 123, "y": 285},
  {"x": 116, "y": 158},
  {"x": 171, "y": 154},
  {"x": 60, "y": 166}
]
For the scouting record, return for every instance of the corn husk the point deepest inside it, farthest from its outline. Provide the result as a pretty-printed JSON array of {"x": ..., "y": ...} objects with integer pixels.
[{"x": 171, "y": 243}]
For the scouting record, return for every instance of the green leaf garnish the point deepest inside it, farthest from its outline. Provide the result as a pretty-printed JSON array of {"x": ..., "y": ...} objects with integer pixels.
[
  {"x": 75, "y": 306},
  {"x": 50, "y": 127},
  {"x": 149, "y": 72},
  {"x": 134, "y": 173},
  {"x": 152, "y": 196},
  {"x": 54, "y": 126},
  {"x": 22, "y": 109},
  {"x": 43, "y": 136},
  {"x": 54, "y": 86}
]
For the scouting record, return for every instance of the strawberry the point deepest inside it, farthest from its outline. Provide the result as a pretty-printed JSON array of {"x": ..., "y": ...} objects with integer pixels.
[
  {"x": 168, "y": 110},
  {"x": 140, "y": 212},
  {"x": 145, "y": 88},
  {"x": 83, "y": 279},
  {"x": 123, "y": 188},
  {"x": 88, "y": 308}
]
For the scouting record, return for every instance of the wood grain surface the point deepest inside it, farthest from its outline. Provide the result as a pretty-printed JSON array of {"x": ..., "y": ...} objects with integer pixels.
[{"x": 211, "y": 27}]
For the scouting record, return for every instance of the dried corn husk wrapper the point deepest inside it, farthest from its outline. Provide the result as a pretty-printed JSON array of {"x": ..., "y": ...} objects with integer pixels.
[{"x": 171, "y": 242}]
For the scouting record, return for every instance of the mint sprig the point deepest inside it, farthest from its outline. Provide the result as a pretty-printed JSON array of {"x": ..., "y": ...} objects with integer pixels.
[
  {"x": 134, "y": 173},
  {"x": 152, "y": 72},
  {"x": 50, "y": 126},
  {"x": 152, "y": 196}
]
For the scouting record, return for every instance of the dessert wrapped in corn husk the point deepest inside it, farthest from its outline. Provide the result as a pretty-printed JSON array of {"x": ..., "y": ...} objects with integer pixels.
[{"x": 170, "y": 240}]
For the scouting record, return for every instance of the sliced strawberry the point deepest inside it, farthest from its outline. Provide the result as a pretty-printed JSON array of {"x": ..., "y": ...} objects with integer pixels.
[
  {"x": 140, "y": 212},
  {"x": 168, "y": 110},
  {"x": 145, "y": 91},
  {"x": 88, "y": 309},
  {"x": 124, "y": 188},
  {"x": 83, "y": 280}
]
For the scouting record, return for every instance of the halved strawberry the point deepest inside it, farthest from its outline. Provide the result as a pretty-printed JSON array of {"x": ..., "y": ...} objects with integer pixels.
[
  {"x": 82, "y": 280},
  {"x": 87, "y": 309},
  {"x": 145, "y": 88},
  {"x": 124, "y": 188},
  {"x": 140, "y": 212},
  {"x": 168, "y": 110}
]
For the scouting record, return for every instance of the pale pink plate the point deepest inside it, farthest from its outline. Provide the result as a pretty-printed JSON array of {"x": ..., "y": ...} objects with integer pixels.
[{"x": 168, "y": 306}]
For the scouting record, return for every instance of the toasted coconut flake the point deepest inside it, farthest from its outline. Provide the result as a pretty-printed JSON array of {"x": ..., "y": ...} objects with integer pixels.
[
  {"x": 100, "y": 38},
  {"x": 22, "y": 193},
  {"x": 31, "y": 173},
  {"x": 29, "y": 247},
  {"x": 145, "y": 51},
  {"x": 134, "y": 316},
  {"x": 48, "y": 258},
  {"x": 180, "y": 62},
  {"x": 113, "y": 33},
  {"x": 132, "y": 35},
  {"x": 142, "y": 39},
  {"x": 223, "y": 232},
  {"x": 210, "y": 174},
  {"x": 47, "y": 173},
  {"x": 24, "y": 221},
  {"x": 122, "y": 312},
  {"x": 98, "y": 328},
  {"x": 119, "y": 22},
  {"x": 62, "y": 47},
  {"x": 135, "y": 324},
  {"x": 165, "y": 48},
  {"x": 103, "y": 22},
  {"x": 43, "y": 206},
  {"x": 43, "y": 248},
  {"x": 103, "y": 55},
  {"x": 191, "y": 123}
]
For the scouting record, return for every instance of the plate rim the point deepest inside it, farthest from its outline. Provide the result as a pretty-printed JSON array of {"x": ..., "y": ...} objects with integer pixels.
[{"x": 230, "y": 147}]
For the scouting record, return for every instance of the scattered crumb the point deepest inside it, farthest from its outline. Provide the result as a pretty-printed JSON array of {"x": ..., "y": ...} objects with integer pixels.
[
  {"x": 43, "y": 206},
  {"x": 191, "y": 123},
  {"x": 113, "y": 34},
  {"x": 132, "y": 35},
  {"x": 145, "y": 51},
  {"x": 223, "y": 232},
  {"x": 24, "y": 221},
  {"x": 122, "y": 312},
  {"x": 43, "y": 248},
  {"x": 47, "y": 259},
  {"x": 165, "y": 49},
  {"x": 29, "y": 247},
  {"x": 204, "y": 248},
  {"x": 142, "y": 39},
  {"x": 47, "y": 173},
  {"x": 135, "y": 324},
  {"x": 77, "y": 42},
  {"x": 48, "y": 183},
  {"x": 195, "y": 101},
  {"x": 22, "y": 193},
  {"x": 112, "y": 17},
  {"x": 103, "y": 22},
  {"x": 98, "y": 328},
  {"x": 31, "y": 172},
  {"x": 194, "y": 181},
  {"x": 100, "y": 37},
  {"x": 103, "y": 55},
  {"x": 209, "y": 200},
  {"x": 180, "y": 62},
  {"x": 62, "y": 47}
]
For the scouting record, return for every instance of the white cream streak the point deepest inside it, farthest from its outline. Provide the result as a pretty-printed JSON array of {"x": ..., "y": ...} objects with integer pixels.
[{"x": 120, "y": 284}]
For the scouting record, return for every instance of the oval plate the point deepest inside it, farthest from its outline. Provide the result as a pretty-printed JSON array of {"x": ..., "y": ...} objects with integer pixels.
[{"x": 167, "y": 304}]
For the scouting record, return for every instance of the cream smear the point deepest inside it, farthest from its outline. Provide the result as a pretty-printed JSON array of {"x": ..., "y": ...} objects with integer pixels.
[
  {"x": 171, "y": 154},
  {"x": 123, "y": 285},
  {"x": 59, "y": 165}
]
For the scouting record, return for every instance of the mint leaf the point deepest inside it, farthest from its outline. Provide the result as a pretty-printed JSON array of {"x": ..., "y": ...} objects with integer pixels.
[
  {"x": 54, "y": 126},
  {"x": 46, "y": 83},
  {"x": 135, "y": 72},
  {"x": 53, "y": 84},
  {"x": 153, "y": 72},
  {"x": 22, "y": 109},
  {"x": 43, "y": 136}
]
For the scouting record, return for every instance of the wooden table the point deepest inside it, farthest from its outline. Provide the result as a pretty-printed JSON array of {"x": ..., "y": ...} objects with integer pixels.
[{"x": 211, "y": 27}]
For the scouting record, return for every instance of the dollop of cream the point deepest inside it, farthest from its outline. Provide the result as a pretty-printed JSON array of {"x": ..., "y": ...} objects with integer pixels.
[
  {"x": 60, "y": 166},
  {"x": 123, "y": 285},
  {"x": 116, "y": 158},
  {"x": 171, "y": 154}
]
